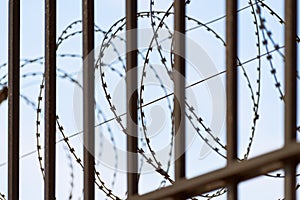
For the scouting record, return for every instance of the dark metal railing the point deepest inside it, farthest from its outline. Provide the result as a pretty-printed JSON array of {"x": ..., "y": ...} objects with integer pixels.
[
  {"x": 231, "y": 91},
  {"x": 88, "y": 102},
  {"x": 230, "y": 176},
  {"x": 50, "y": 98},
  {"x": 13, "y": 99},
  {"x": 131, "y": 97}
]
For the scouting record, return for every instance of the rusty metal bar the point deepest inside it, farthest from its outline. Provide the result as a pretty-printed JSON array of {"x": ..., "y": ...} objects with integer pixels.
[
  {"x": 88, "y": 98},
  {"x": 179, "y": 87},
  {"x": 50, "y": 98},
  {"x": 231, "y": 79},
  {"x": 13, "y": 99},
  {"x": 239, "y": 171},
  {"x": 231, "y": 90},
  {"x": 290, "y": 97},
  {"x": 131, "y": 96}
]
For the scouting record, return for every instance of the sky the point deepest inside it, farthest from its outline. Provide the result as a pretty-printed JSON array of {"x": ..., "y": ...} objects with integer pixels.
[{"x": 205, "y": 57}]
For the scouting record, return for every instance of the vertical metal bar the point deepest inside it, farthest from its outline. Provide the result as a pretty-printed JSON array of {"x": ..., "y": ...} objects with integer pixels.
[
  {"x": 179, "y": 87},
  {"x": 131, "y": 96},
  {"x": 231, "y": 89},
  {"x": 13, "y": 99},
  {"x": 290, "y": 181},
  {"x": 290, "y": 96},
  {"x": 50, "y": 98},
  {"x": 88, "y": 98}
]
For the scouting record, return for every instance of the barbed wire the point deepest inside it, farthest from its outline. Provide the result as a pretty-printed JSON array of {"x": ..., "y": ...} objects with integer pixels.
[{"x": 263, "y": 36}]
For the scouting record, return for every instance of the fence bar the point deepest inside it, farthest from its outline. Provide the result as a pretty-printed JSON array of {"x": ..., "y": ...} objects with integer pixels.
[
  {"x": 290, "y": 96},
  {"x": 231, "y": 89},
  {"x": 88, "y": 98},
  {"x": 50, "y": 98},
  {"x": 132, "y": 96},
  {"x": 179, "y": 87},
  {"x": 217, "y": 179},
  {"x": 13, "y": 99}
]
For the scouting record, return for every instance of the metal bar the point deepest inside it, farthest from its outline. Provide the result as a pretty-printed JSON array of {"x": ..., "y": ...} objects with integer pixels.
[
  {"x": 290, "y": 180},
  {"x": 290, "y": 97},
  {"x": 88, "y": 98},
  {"x": 13, "y": 99},
  {"x": 231, "y": 90},
  {"x": 131, "y": 96},
  {"x": 231, "y": 79},
  {"x": 179, "y": 87},
  {"x": 50, "y": 98},
  {"x": 239, "y": 171}
]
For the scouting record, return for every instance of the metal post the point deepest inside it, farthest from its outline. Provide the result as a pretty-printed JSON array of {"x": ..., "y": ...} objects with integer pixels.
[
  {"x": 179, "y": 87},
  {"x": 50, "y": 98},
  {"x": 131, "y": 96},
  {"x": 13, "y": 99},
  {"x": 290, "y": 97},
  {"x": 231, "y": 89},
  {"x": 88, "y": 98}
]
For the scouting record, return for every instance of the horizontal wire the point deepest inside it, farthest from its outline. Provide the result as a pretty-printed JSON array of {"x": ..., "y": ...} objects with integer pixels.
[{"x": 219, "y": 18}]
